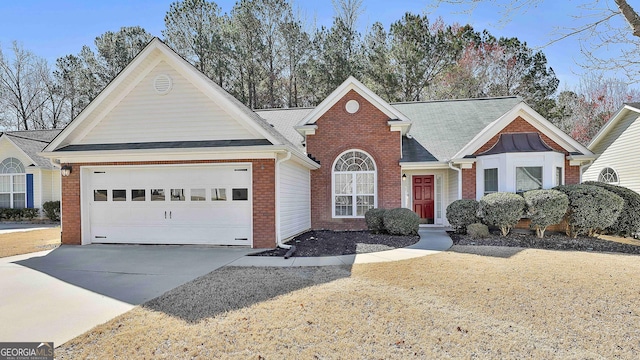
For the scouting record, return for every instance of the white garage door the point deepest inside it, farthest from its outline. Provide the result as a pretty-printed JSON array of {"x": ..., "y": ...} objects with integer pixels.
[{"x": 170, "y": 204}]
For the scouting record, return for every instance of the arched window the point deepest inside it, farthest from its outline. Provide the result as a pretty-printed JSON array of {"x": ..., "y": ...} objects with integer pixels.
[
  {"x": 354, "y": 184},
  {"x": 609, "y": 176},
  {"x": 13, "y": 184}
]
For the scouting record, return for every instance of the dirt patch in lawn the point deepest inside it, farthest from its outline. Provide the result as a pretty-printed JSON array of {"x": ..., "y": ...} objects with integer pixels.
[
  {"x": 535, "y": 304},
  {"x": 551, "y": 241},
  {"x": 331, "y": 243},
  {"x": 24, "y": 242}
]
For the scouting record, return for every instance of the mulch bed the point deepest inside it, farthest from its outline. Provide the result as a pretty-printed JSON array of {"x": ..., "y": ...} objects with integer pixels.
[
  {"x": 551, "y": 241},
  {"x": 332, "y": 243}
]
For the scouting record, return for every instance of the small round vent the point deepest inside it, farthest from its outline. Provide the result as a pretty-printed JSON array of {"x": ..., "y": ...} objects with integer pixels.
[
  {"x": 162, "y": 84},
  {"x": 352, "y": 106}
]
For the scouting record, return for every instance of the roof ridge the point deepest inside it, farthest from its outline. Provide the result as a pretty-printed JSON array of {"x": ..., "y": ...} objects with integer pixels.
[
  {"x": 289, "y": 108},
  {"x": 456, "y": 100}
]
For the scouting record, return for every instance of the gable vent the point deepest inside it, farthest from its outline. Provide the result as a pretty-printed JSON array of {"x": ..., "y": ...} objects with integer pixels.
[{"x": 162, "y": 84}]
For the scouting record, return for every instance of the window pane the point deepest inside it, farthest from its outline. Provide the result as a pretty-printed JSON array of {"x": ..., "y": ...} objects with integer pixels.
[
  {"x": 19, "y": 183},
  {"x": 99, "y": 195},
  {"x": 558, "y": 176},
  {"x": 137, "y": 195},
  {"x": 344, "y": 206},
  {"x": 528, "y": 178},
  {"x": 363, "y": 204},
  {"x": 490, "y": 181},
  {"x": 19, "y": 201},
  {"x": 5, "y": 184},
  {"x": 218, "y": 194},
  {"x": 157, "y": 194},
  {"x": 344, "y": 184},
  {"x": 364, "y": 183},
  {"x": 198, "y": 195},
  {"x": 177, "y": 194},
  {"x": 240, "y": 194},
  {"x": 119, "y": 195},
  {"x": 5, "y": 201}
]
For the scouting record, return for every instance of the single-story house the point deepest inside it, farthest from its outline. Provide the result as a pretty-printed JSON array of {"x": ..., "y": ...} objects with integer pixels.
[
  {"x": 616, "y": 145},
  {"x": 164, "y": 155},
  {"x": 27, "y": 180}
]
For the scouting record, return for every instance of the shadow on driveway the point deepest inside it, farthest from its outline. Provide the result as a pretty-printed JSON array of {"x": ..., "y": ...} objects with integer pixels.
[
  {"x": 132, "y": 273},
  {"x": 233, "y": 288}
]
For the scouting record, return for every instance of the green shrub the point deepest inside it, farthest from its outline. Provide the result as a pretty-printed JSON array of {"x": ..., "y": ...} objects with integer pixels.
[
  {"x": 591, "y": 208},
  {"x": 30, "y": 214},
  {"x": 478, "y": 230},
  {"x": 401, "y": 221},
  {"x": 628, "y": 222},
  {"x": 462, "y": 213},
  {"x": 375, "y": 221},
  {"x": 501, "y": 209},
  {"x": 545, "y": 208},
  {"x": 52, "y": 210}
]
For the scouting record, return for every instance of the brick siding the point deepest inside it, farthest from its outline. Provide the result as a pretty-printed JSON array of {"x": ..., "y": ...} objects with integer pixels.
[
  {"x": 519, "y": 125},
  {"x": 264, "y": 219},
  {"x": 339, "y": 131}
]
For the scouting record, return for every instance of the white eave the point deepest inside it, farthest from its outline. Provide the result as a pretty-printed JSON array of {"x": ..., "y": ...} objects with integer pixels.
[
  {"x": 580, "y": 159},
  {"x": 400, "y": 125},
  {"x": 352, "y": 84},
  {"x": 306, "y": 129},
  {"x": 424, "y": 165},
  {"x": 177, "y": 154}
]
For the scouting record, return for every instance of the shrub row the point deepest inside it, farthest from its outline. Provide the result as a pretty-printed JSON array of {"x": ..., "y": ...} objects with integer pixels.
[
  {"x": 587, "y": 208},
  {"x": 52, "y": 210},
  {"x": 399, "y": 221},
  {"x": 18, "y": 214}
]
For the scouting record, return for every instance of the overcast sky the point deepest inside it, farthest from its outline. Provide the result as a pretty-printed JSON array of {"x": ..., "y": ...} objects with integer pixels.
[{"x": 53, "y": 29}]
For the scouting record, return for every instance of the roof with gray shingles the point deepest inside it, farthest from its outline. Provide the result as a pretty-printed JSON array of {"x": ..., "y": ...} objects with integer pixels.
[
  {"x": 445, "y": 127},
  {"x": 32, "y": 142},
  {"x": 285, "y": 120},
  {"x": 439, "y": 128}
]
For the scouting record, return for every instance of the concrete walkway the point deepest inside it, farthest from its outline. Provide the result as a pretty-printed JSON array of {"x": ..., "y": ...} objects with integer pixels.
[{"x": 432, "y": 241}]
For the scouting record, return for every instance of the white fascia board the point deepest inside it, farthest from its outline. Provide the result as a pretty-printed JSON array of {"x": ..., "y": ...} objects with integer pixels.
[
  {"x": 577, "y": 160},
  {"x": 401, "y": 126},
  {"x": 306, "y": 129},
  {"x": 426, "y": 165},
  {"x": 610, "y": 124},
  {"x": 532, "y": 117},
  {"x": 352, "y": 84},
  {"x": 129, "y": 155}
]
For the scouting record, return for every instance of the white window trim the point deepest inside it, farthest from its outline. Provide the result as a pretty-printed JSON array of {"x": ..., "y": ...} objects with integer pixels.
[
  {"x": 354, "y": 194},
  {"x": 17, "y": 169},
  {"x": 614, "y": 171}
]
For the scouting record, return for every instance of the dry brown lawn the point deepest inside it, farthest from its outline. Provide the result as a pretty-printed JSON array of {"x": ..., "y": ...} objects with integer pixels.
[
  {"x": 527, "y": 304},
  {"x": 24, "y": 242}
]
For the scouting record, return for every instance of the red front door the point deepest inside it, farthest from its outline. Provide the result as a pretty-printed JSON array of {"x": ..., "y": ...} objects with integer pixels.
[{"x": 423, "y": 197}]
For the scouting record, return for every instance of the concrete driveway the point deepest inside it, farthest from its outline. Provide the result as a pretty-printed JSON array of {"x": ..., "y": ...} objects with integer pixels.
[{"x": 58, "y": 295}]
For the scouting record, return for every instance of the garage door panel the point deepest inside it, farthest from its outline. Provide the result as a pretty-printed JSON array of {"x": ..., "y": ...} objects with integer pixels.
[{"x": 200, "y": 205}]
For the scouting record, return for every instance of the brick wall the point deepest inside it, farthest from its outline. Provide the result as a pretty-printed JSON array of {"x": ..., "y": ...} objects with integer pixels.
[
  {"x": 339, "y": 131},
  {"x": 571, "y": 173},
  {"x": 264, "y": 219}
]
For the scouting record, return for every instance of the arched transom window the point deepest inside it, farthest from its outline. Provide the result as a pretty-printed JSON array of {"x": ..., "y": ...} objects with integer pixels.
[
  {"x": 13, "y": 184},
  {"x": 609, "y": 176},
  {"x": 354, "y": 184}
]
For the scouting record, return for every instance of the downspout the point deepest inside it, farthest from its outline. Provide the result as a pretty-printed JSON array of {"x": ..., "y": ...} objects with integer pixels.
[
  {"x": 278, "y": 237},
  {"x": 450, "y": 163}
]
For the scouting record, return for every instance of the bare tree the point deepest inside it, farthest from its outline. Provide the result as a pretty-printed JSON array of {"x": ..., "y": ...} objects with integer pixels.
[
  {"x": 21, "y": 88},
  {"x": 602, "y": 27}
]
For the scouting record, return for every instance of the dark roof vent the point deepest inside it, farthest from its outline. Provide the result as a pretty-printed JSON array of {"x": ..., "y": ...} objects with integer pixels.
[{"x": 518, "y": 142}]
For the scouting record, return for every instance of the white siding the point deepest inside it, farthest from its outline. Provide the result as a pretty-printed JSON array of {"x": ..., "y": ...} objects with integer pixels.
[
  {"x": 615, "y": 132},
  {"x": 50, "y": 185},
  {"x": 184, "y": 114},
  {"x": 8, "y": 149},
  {"x": 295, "y": 199},
  {"x": 622, "y": 156}
]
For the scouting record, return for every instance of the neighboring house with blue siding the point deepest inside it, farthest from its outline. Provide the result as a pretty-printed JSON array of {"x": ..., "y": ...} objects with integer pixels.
[{"x": 27, "y": 180}]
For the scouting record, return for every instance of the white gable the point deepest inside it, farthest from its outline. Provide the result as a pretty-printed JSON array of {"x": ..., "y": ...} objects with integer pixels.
[
  {"x": 185, "y": 113},
  {"x": 9, "y": 149}
]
